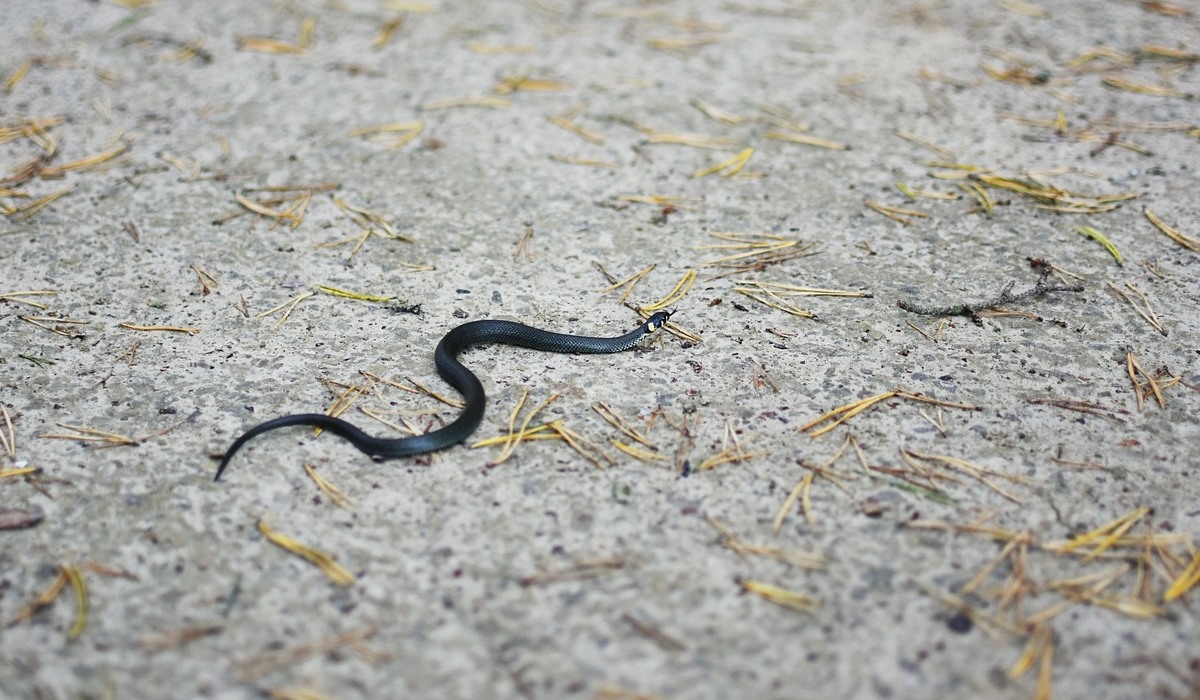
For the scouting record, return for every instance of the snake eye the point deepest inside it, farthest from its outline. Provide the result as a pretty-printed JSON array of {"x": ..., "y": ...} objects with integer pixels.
[{"x": 658, "y": 320}]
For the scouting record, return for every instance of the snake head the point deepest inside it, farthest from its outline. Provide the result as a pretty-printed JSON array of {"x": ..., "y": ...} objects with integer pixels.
[{"x": 657, "y": 320}]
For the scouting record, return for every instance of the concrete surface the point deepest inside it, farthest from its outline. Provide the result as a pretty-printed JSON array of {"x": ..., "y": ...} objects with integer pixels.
[{"x": 521, "y": 580}]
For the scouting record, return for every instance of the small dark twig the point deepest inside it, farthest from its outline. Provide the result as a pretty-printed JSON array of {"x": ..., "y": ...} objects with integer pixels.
[{"x": 1006, "y": 297}]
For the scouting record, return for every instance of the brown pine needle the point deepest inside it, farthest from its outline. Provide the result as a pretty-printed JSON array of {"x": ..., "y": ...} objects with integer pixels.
[
  {"x": 45, "y": 598},
  {"x": 89, "y": 435},
  {"x": 780, "y": 596},
  {"x": 1134, "y": 368},
  {"x": 941, "y": 151},
  {"x": 20, "y": 297},
  {"x": 578, "y": 572},
  {"x": 189, "y": 330},
  {"x": 453, "y": 403},
  {"x": 616, "y": 421},
  {"x": 338, "y": 496},
  {"x": 585, "y": 449},
  {"x": 321, "y": 560},
  {"x": 272, "y": 661},
  {"x": 1192, "y": 244},
  {"x": 805, "y": 560},
  {"x": 1143, "y": 308},
  {"x": 290, "y": 305}
]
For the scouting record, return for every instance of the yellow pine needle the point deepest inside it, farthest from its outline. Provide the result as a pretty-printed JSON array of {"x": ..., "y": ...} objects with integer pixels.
[
  {"x": 630, "y": 281},
  {"x": 1035, "y": 649},
  {"x": 189, "y": 330},
  {"x": 585, "y": 134},
  {"x": 542, "y": 431},
  {"x": 717, "y": 114},
  {"x": 662, "y": 200},
  {"x": 393, "y": 135},
  {"x": 9, "y": 442},
  {"x": 79, "y": 588},
  {"x": 267, "y": 45},
  {"x": 681, "y": 45},
  {"x": 513, "y": 84},
  {"x": 489, "y": 49},
  {"x": 83, "y": 163},
  {"x": 914, "y": 195},
  {"x": 516, "y": 436},
  {"x": 789, "y": 502},
  {"x": 387, "y": 32},
  {"x": 1101, "y": 52},
  {"x": 805, "y": 139},
  {"x": 357, "y": 296},
  {"x": 28, "y": 210},
  {"x": 1192, "y": 244},
  {"x": 1185, "y": 582},
  {"x": 854, "y": 408},
  {"x": 716, "y": 143},
  {"x": 637, "y": 452},
  {"x": 897, "y": 214},
  {"x": 682, "y": 287},
  {"x": 17, "y": 75},
  {"x": 335, "y": 494},
  {"x": 262, "y": 209},
  {"x": 976, "y": 190},
  {"x": 586, "y": 162},
  {"x": 334, "y": 571},
  {"x": 1104, "y": 536},
  {"x": 1141, "y": 88},
  {"x": 1100, "y": 238},
  {"x": 780, "y": 596},
  {"x": 775, "y": 302},
  {"x": 456, "y": 102},
  {"x": 731, "y": 166}
]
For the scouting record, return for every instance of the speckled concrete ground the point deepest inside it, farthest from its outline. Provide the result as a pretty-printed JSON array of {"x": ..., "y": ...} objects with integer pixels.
[{"x": 546, "y": 577}]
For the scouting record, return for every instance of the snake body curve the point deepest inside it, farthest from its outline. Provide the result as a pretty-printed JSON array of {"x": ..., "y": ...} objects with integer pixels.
[{"x": 445, "y": 358}]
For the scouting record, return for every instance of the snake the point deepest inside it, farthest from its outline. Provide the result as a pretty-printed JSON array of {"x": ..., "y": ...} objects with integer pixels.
[{"x": 445, "y": 358}]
